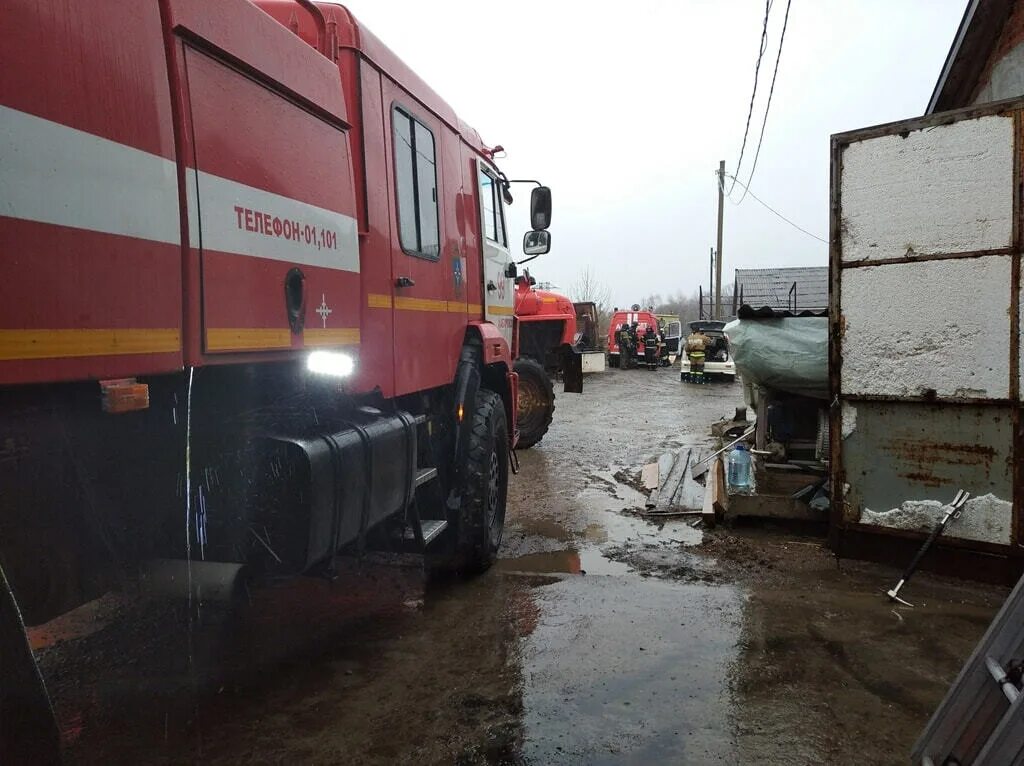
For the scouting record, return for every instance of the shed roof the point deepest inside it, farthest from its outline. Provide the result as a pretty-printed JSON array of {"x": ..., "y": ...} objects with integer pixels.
[{"x": 771, "y": 288}]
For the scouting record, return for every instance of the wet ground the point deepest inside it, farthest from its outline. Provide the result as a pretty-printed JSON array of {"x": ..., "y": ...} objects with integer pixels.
[{"x": 599, "y": 638}]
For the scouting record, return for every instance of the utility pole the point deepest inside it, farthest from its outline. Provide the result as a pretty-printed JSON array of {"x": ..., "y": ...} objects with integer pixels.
[
  {"x": 718, "y": 250},
  {"x": 711, "y": 285}
]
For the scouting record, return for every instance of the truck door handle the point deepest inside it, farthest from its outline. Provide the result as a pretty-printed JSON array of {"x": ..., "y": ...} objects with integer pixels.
[
  {"x": 491, "y": 286},
  {"x": 404, "y": 282}
]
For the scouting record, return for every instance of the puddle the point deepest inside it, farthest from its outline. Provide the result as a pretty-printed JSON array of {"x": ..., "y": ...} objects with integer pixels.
[
  {"x": 619, "y": 670},
  {"x": 588, "y": 561}
]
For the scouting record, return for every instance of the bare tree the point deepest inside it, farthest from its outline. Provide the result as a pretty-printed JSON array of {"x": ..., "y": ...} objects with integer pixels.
[{"x": 588, "y": 288}]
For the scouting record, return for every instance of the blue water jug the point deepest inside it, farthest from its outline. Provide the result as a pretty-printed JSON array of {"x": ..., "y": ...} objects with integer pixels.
[{"x": 740, "y": 468}]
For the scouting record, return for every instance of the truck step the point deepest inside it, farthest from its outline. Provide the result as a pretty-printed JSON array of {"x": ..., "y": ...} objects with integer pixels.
[
  {"x": 424, "y": 475},
  {"x": 431, "y": 529}
]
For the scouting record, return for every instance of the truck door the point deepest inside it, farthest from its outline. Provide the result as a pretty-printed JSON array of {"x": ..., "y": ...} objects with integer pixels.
[
  {"x": 428, "y": 331},
  {"x": 498, "y": 289}
]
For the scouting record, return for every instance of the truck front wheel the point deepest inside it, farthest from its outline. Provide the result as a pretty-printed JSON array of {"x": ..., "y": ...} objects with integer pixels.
[
  {"x": 482, "y": 514},
  {"x": 536, "y": 404}
]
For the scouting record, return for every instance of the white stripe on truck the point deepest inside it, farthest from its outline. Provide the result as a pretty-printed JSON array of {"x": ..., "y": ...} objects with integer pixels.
[
  {"x": 51, "y": 173},
  {"x": 236, "y": 218}
]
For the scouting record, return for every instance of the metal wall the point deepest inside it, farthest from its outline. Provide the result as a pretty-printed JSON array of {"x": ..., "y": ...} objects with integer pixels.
[{"x": 924, "y": 362}]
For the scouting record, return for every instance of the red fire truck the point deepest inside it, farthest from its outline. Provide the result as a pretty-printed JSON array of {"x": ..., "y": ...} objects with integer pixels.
[
  {"x": 256, "y": 306},
  {"x": 634, "y": 316}
]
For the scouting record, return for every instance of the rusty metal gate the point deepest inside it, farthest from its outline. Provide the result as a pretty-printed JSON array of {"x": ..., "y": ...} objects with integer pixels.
[{"x": 924, "y": 359}]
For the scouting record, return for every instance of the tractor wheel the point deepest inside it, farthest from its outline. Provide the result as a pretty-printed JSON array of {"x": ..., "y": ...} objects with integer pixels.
[
  {"x": 536, "y": 404},
  {"x": 482, "y": 514}
]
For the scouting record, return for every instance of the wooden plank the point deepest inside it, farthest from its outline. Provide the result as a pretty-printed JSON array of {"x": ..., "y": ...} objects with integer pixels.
[
  {"x": 690, "y": 493},
  {"x": 713, "y": 491},
  {"x": 649, "y": 476},
  {"x": 699, "y": 462},
  {"x": 720, "y": 498},
  {"x": 665, "y": 465},
  {"x": 670, "y": 482}
]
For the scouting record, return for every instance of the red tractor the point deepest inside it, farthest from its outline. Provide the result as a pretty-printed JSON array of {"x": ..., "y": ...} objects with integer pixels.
[
  {"x": 256, "y": 310},
  {"x": 546, "y": 335}
]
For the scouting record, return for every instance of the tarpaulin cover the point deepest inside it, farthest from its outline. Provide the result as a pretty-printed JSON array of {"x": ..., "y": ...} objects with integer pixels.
[{"x": 788, "y": 355}]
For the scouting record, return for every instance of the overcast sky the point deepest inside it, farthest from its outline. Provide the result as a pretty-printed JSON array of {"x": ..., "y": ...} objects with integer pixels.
[{"x": 625, "y": 109}]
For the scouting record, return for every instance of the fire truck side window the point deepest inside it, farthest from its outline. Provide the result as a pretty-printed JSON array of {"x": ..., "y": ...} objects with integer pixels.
[
  {"x": 494, "y": 215},
  {"x": 416, "y": 182}
]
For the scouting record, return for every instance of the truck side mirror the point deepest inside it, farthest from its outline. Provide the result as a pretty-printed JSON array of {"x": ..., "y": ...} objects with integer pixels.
[
  {"x": 540, "y": 208},
  {"x": 536, "y": 242}
]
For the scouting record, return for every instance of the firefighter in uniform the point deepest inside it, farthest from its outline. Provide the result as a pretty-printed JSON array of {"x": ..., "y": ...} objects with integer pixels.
[
  {"x": 696, "y": 345},
  {"x": 625, "y": 347},
  {"x": 651, "y": 348}
]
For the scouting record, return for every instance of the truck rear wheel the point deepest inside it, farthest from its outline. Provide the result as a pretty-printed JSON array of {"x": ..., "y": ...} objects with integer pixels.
[{"x": 536, "y": 404}]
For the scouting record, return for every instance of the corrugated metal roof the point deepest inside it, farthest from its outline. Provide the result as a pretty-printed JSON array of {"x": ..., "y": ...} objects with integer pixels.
[{"x": 771, "y": 288}]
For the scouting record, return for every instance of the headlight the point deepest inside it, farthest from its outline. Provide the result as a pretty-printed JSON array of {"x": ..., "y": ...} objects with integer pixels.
[{"x": 333, "y": 363}]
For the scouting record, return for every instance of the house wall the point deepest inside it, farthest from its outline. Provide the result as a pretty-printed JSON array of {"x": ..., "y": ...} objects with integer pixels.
[{"x": 1003, "y": 75}]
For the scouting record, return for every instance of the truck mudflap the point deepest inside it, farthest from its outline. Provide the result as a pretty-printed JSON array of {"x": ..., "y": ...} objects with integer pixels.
[
  {"x": 28, "y": 728},
  {"x": 572, "y": 370}
]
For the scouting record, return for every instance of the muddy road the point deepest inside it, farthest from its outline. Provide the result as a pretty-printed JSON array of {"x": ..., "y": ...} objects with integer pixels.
[{"x": 599, "y": 638}]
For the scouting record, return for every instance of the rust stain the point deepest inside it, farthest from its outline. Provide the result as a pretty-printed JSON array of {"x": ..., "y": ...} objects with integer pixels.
[
  {"x": 922, "y": 455},
  {"x": 936, "y": 447},
  {"x": 924, "y": 478}
]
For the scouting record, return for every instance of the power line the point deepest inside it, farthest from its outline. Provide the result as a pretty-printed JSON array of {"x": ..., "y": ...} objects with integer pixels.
[
  {"x": 768, "y": 106},
  {"x": 773, "y": 210},
  {"x": 753, "y": 96}
]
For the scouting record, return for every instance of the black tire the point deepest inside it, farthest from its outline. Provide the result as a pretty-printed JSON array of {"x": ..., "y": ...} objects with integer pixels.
[
  {"x": 535, "y": 406},
  {"x": 485, "y": 492},
  {"x": 613, "y": 360}
]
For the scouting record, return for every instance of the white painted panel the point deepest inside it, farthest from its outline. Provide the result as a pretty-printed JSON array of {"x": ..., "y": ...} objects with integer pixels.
[
  {"x": 947, "y": 189},
  {"x": 937, "y": 325},
  {"x": 593, "y": 361},
  {"x": 236, "y": 218},
  {"x": 50, "y": 173}
]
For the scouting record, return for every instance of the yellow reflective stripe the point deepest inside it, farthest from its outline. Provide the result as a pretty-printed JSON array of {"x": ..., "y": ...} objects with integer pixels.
[
  {"x": 420, "y": 304},
  {"x": 246, "y": 338},
  {"x": 53, "y": 344},
  {"x": 340, "y": 336},
  {"x": 502, "y": 310},
  {"x": 381, "y": 301}
]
